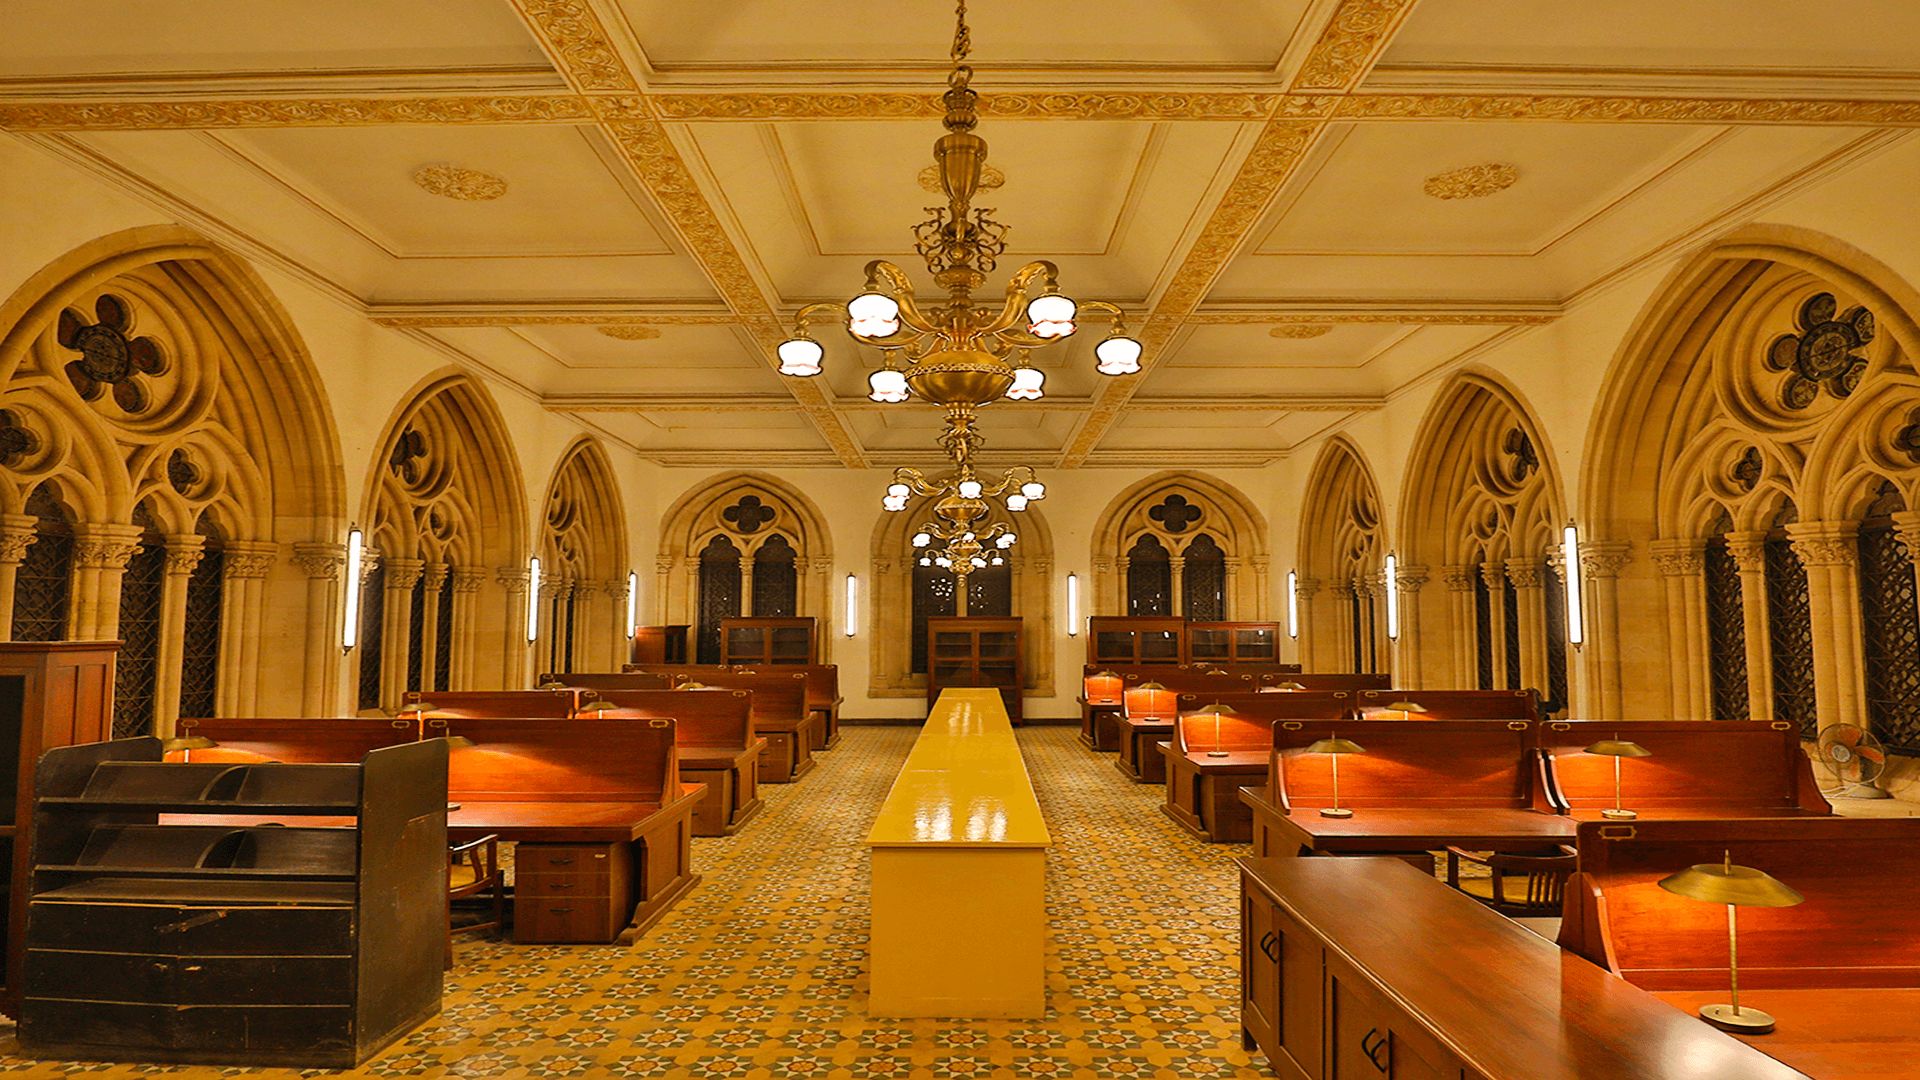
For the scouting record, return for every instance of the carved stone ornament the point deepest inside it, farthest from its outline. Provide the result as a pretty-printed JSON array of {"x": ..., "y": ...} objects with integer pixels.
[
  {"x": 1302, "y": 331},
  {"x": 244, "y": 562},
  {"x": 1523, "y": 459},
  {"x": 408, "y": 449},
  {"x": 1175, "y": 513},
  {"x": 1472, "y": 182},
  {"x": 1411, "y": 578},
  {"x": 514, "y": 581},
  {"x": 467, "y": 579},
  {"x": 1604, "y": 558},
  {"x": 402, "y": 573},
  {"x": 1457, "y": 578},
  {"x": 1823, "y": 543},
  {"x": 320, "y": 561},
  {"x": 1749, "y": 551},
  {"x": 1907, "y": 439},
  {"x": 184, "y": 554},
  {"x": 15, "y": 440},
  {"x": 467, "y": 185},
  {"x": 1679, "y": 558},
  {"x": 1306, "y": 587},
  {"x": 1822, "y": 354},
  {"x": 182, "y": 474},
  {"x": 15, "y": 540},
  {"x": 104, "y": 547},
  {"x": 747, "y": 515},
  {"x": 630, "y": 332},
  {"x": 1525, "y": 573},
  {"x": 107, "y": 356},
  {"x": 1748, "y": 469}
]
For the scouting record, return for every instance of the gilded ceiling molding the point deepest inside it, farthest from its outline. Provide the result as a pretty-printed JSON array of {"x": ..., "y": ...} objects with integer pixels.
[
  {"x": 1301, "y": 331},
  {"x": 1066, "y": 105},
  {"x": 1471, "y": 182},
  {"x": 1354, "y": 38},
  {"x": 454, "y": 182},
  {"x": 294, "y": 112},
  {"x": 574, "y": 38},
  {"x": 418, "y": 322},
  {"x": 1670, "y": 110},
  {"x": 630, "y": 332},
  {"x": 1406, "y": 318}
]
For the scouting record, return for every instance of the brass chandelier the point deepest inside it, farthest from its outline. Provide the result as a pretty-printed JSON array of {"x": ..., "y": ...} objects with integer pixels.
[{"x": 957, "y": 355}]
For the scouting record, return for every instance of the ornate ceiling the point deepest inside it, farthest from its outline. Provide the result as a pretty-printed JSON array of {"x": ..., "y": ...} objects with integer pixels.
[{"x": 1305, "y": 206}]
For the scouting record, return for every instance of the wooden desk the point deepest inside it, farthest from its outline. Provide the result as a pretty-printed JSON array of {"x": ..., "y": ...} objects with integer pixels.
[
  {"x": 1213, "y": 756},
  {"x": 959, "y": 872},
  {"x": 714, "y": 740},
  {"x": 1699, "y": 768},
  {"x": 780, "y": 716},
  {"x": 1450, "y": 704},
  {"x": 1365, "y": 968},
  {"x": 1830, "y": 1033},
  {"x": 1379, "y": 829}
]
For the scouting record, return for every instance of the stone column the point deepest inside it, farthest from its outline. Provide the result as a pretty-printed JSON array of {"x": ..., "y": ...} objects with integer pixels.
[
  {"x": 183, "y": 555},
  {"x": 516, "y": 653},
  {"x": 663, "y": 567},
  {"x": 467, "y": 581},
  {"x": 1236, "y": 604},
  {"x": 1830, "y": 551},
  {"x": 1530, "y": 605},
  {"x": 323, "y": 563},
  {"x": 17, "y": 533},
  {"x": 1408, "y": 656},
  {"x": 1683, "y": 568},
  {"x": 1749, "y": 554},
  {"x": 1262, "y": 585},
  {"x": 1120, "y": 595},
  {"x": 435, "y": 575},
  {"x": 244, "y": 568},
  {"x": 100, "y": 554},
  {"x": 1035, "y": 573},
  {"x": 820, "y": 604},
  {"x": 1461, "y": 626},
  {"x": 1906, "y": 526},
  {"x": 612, "y": 649},
  {"x": 1308, "y": 650},
  {"x": 1495, "y": 576},
  {"x": 1177, "y": 584},
  {"x": 888, "y": 621},
  {"x": 1105, "y": 597},
  {"x": 746, "y": 592},
  {"x": 1600, "y": 564},
  {"x": 397, "y": 614}
]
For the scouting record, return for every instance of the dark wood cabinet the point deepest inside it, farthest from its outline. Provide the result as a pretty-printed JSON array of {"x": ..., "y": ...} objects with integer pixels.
[
  {"x": 1135, "y": 640},
  {"x": 1233, "y": 643},
  {"x": 970, "y": 651},
  {"x": 571, "y": 893},
  {"x": 759, "y": 642},
  {"x": 170, "y": 921},
  {"x": 52, "y": 693},
  {"x": 660, "y": 644}
]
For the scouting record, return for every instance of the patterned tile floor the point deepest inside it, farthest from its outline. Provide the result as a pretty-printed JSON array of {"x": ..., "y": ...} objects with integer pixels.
[{"x": 761, "y": 972}]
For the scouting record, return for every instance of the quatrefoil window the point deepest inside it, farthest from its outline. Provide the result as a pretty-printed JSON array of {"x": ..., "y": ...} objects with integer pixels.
[
  {"x": 1175, "y": 513},
  {"x": 15, "y": 440},
  {"x": 408, "y": 449},
  {"x": 1747, "y": 470},
  {"x": 1908, "y": 438},
  {"x": 107, "y": 356},
  {"x": 182, "y": 474},
  {"x": 1822, "y": 354},
  {"x": 1525, "y": 458},
  {"x": 748, "y": 514}
]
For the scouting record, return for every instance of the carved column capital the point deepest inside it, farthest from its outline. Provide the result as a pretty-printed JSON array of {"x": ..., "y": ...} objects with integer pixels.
[
  {"x": 615, "y": 589},
  {"x": 1260, "y": 563},
  {"x": 467, "y": 579},
  {"x": 402, "y": 573},
  {"x": 436, "y": 575},
  {"x": 248, "y": 559},
  {"x": 1103, "y": 565},
  {"x": 1410, "y": 578},
  {"x": 1604, "y": 558},
  {"x": 1232, "y": 566},
  {"x": 1680, "y": 557},
  {"x": 370, "y": 558},
  {"x": 105, "y": 547},
  {"x": 1825, "y": 543},
  {"x": 1749, "y": 551},
  {"x": 513, "y": 579},
  {"x": 17, "y": 533},
  {"x": 1906, "y": 526},
  {"x": 1525, "y": 573},
  {"x": 664, "y": 564},
  {"x": 184, "y": 552},
  {"x": 1494, "y": 575},
  {"x": 321, "y": 561},
  {"x": 1305, "y": 587},
  {"x": 820, "y": 564},
  {"x": 1458, "y": 578}
]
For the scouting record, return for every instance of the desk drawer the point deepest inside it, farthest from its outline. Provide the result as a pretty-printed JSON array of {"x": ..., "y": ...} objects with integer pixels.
[
  {"x": 299, "y": 1033},
  {"x": 189, "y": 980},
  {"x": 583, "y": 885},
  {"x": 207, "y": 930},
  {"x": 566, "y": 859},
  {"x": 564, "y": 920}
]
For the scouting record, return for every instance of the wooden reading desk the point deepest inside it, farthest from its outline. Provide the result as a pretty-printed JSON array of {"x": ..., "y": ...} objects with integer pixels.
[
  {"x": 1213, "y": 756},
  {"x": 714, "y": 742},
  {"x": 1840, "y": 972},
  {"x": 1366, "y": 968},
  {"x": 1698, "y": 768},
  {"x": 1147, "y": 717},
  {"x": 781, "y": 714}
]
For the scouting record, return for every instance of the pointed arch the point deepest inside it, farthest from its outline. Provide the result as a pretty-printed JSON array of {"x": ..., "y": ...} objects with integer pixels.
[
  {"x": 1198, "y": 503},
  {"x": 749, "y": 509},
  {"x": 583, "y": 552},
  {"x": 1343, "y": 547},
  {"x": 152, "y": 365}
]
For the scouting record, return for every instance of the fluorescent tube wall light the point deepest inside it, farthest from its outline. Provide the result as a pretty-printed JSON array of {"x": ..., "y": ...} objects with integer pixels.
[
  {"x": 633, "y": 602},
  {"x": 1293, "y": 604},
  {"x": 1570, "y": 551},
  {"x": 853, "y": 605},
  {"x": 356, "y": 552},
  {"x": 1073, "y": 605},
  {"x": 533, "y": 598},
  {"x": 1393, "y": 599}
]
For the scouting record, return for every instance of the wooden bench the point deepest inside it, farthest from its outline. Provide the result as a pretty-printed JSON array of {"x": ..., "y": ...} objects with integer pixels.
[
  {"x": 1699, "y": 768},
  {"x": 1839, "y": 972},
  {"x": 1420, "y": 786},
  {"x": 1213, "y": 756},
  {"x": 780, "y": 716},
  {"x": 601, "y": 820},
  {"x": 609, "y": 680},
  {"x": 527, "y": 704},
  {"x": 1450, "y": 704},
  {"x": 297, "y": 741},
  {"x": 823, "y": 698},
  {"x": 715, "y": 744}
]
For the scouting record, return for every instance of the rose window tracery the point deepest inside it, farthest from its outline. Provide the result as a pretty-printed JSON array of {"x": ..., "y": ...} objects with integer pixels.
[
  {"x": 1823, "y": 353},
  {"x": 747, "y": 515},
  {"x": 408, "y": 449},
  {"x": 1175, "y": 513},
  {"x": 15, "y": 440},
  {"x": 107, "y": 356},
  {"x": 1748, "y": 469}
]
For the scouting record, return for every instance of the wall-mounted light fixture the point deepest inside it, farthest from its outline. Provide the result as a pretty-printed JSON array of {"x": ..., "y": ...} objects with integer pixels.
[
  {"x": 1293, "y": 604},
  {"x": 853, "y": 605},
  {"x": 1073, "y": 605},
  {"x": 533, "y": 598},
  {"x": 1393, "y": 598},
  {"x": 1570, "y": 551},
  {"x": 356, "y": 553},
  {"x": 633, "y": 602}
]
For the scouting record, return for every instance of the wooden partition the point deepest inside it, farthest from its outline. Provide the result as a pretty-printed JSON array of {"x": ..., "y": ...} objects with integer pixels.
[
  {"x": 632, "y": 679},
  {"x": 600, "y": 816},
  {"x": 530, "y": 704},
  {"x": 1839, "y": 972},
  {"x": 959, "y": 867},
  {"x": 1698, "y": 768},
  {"x": 302, "y": 740},
  {"x": 780, "y": 716},
  {"x": 823, "y": 701},
  {"x": 1146, "y": 717},
  {"x": 715, "y": 744},
  {"x": 1450, "y": 704},
  {"x": 1213, "y": 756}
]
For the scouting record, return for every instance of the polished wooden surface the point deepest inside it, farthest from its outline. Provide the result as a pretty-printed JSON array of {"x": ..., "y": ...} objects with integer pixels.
[
  {"x": 1829, "y": 1034},
  {"x": 716, "y": 745},
  {"x": 781, "y": 714},
  {"x": 1451, "y": 704},
  {"x": 1408, "y": 764},
  {"x": 1213, "y": 755},
  {"x": 522, "y": 703},
  {"x": 311, "y": 740},
  {"x": 1458, "y": 987},
  {"x": 964, "y": 783},
  {"x": 1424, "y": 829},
  {"x": 1728, "y": 769},
  {"x": 635, "y": 679}
]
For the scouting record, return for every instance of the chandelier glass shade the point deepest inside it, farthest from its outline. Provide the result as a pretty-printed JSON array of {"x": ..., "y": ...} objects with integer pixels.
[{"x": 958, "y": 354}]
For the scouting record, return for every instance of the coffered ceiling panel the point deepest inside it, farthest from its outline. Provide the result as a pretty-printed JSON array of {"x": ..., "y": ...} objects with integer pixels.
[
  {"x": 1262, "y": 349},
  {"x": 758, "y": 34},
  {"x": 699, "y": 361},
  {"x": 91, "y": 39},
  {"x": 1832, "y": 37},
  {"x": 719, "y": 349}
]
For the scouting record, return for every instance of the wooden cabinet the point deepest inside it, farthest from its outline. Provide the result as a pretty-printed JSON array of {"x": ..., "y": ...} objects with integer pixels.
[
  {"x": 759, "y": 642},
  {"x": 570, "y": 893},
  {"x": 52, "y": 693},
  {"x": 660, "y": 644},
  {"x": 1233, "y": 643},
  {"x": 1134, "y": 641},
  {"x": 167, "y": 923},
  {"x": 976, "y": 651}
]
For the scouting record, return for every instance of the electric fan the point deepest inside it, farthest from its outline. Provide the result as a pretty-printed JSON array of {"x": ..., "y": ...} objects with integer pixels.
[{"x": 1857, "y": 758}]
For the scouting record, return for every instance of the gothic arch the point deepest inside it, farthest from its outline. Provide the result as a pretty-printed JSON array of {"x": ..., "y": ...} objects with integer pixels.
[
  {"x": 1225, "y": 514},
  {"x": 447, "y": 527},
  {"x": 152, "y": 366},
  {"x": 1774, "y": 369},
  {"x": 710, "y": 510},
  {"x": 890, "y": 554},
  {"x": 1343, "y": 550},
  {"x": 584, "y": 564},
  {"x": 1482, "y": 508}
]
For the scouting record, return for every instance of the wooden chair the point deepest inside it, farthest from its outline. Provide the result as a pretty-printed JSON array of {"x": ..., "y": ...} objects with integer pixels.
[
  {"x": 1531, "y": 883},
  {"x": 472, "y": 868}
]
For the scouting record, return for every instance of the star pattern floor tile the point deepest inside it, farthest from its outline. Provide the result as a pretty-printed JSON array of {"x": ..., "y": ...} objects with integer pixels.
[{"x": 761, "y": 972}]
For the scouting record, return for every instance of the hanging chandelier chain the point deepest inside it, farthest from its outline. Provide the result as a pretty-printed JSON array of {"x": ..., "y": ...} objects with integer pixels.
[{"x": 962, "y": 37}]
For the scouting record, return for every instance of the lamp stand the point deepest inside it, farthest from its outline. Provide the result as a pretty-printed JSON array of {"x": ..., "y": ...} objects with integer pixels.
[
  {"x": 1216, "y": 751},
  {"x": 1617, "y": 814},
  {"x": 1335, "y": 810},
  {"x": 1732, "y": 1017}
]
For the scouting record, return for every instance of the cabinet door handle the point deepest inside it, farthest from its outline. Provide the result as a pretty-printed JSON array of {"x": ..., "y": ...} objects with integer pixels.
[
  {"x": 562, "y": 885},
  {"x": 560, "y": 862},
  {"x": 188, "y": 924},
  {"x": 560, "y": 911},
  {"x": 1270, "y": 946},
  {"x": 1373, "y": 1048}
]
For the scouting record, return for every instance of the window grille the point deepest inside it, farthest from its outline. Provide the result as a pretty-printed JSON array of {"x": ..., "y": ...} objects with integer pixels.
[
  {"x": 443, "y": 636},
  {"x": 200, "y": 641},
  {"x": 1726, "y": 635},
  {"x": 373, "y": 621},
  {"x": 1790, "y": 634},
  {"x": 776, "y": 579},
  {"x": 1510, "y": 603},
  {"x": 43, "y": 581},
  {"x": 1891, "y": 621},
  {"x": 719, "y": 596},
  {"x": 1203, "y": 581},
  {"x": 416, "y": 630},
  {"x": 1483, "y": 630},
  {"x": 1149, "y": 578},
  {"x": 1553, "y": 601},
  {"x": 136, "y": 668}
]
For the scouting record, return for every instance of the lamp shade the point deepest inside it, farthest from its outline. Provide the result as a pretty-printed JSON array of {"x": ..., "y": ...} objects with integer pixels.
[
  {"x": 187, "y": 742},
  {"x": 1050, "y": 315},
  {"x": 1290, "y": 685},
  {"x": 873, "y": 315},
  {"x": 1117, "y": 355},
  {"x": 1618, "y": 748},
  {"x": 1406, "y": 706},
  {"x": 1725, "y": 883},
  {"x": 597, "y": 705},
  {"x": 1335, "y": 746},
  {"x": 800, "y": 356},
  {"x": 1028, "y": 384},
  {"x": 887, "y": 385}
]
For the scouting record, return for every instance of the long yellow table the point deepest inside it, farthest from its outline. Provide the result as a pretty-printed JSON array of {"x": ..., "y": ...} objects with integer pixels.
[{"x": 959, "y": 873}]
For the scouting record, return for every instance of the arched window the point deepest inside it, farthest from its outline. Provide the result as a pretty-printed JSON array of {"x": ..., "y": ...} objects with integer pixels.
[
  {"x": 1203, "y": 581},
  {"x": 1726, "y": 627},
  {"x": 443, "y": 635},
  {"x": 776, "y": 579},
  {"x": 416, "y": 631},
  {"x": 1891, "y": 621},
  {"x": 1181, "y": 544},
  {"x": 1483, "y": 633},
  {"x": 1149, "y": 578},
  {"x": 136, "y": 669},
  {"x": 1789, "y": 628},
  {"x": 373, "y": 623},
  {"x": 989, "y": 592},
  {"x": 200, "y": 637},
  {"x": 719, "y": 596},
  {"x": 43, "y": 581}
]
